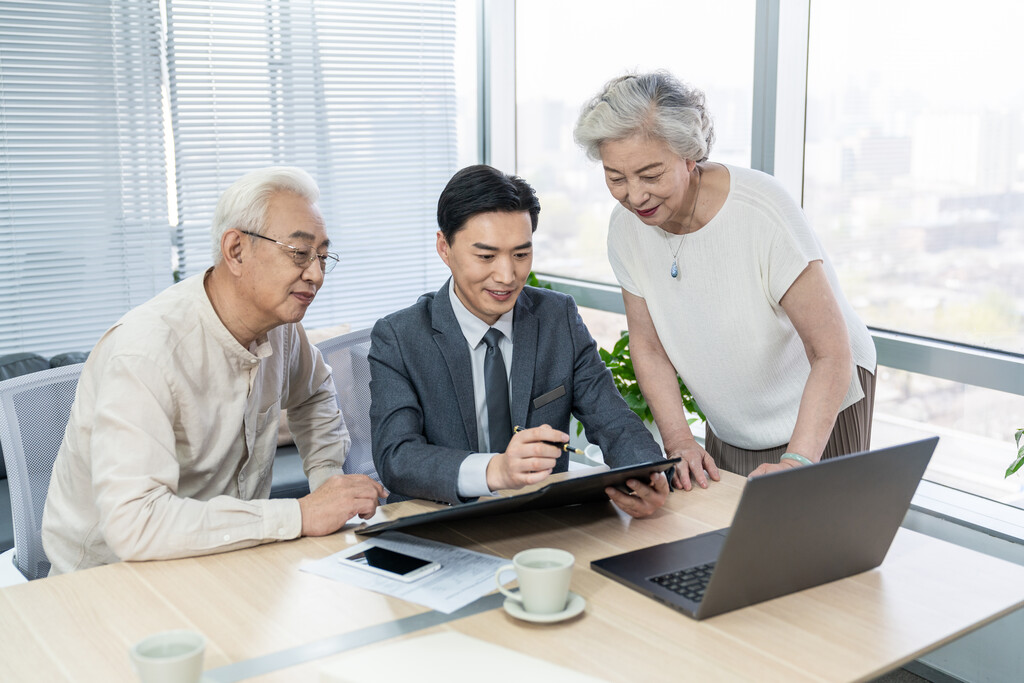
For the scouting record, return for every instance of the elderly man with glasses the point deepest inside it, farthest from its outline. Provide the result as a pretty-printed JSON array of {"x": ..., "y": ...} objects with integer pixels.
[{"x": 172, "y": 437}]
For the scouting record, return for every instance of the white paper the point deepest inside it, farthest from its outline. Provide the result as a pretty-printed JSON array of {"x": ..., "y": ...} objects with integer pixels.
[{"x": 464, "y": 576}]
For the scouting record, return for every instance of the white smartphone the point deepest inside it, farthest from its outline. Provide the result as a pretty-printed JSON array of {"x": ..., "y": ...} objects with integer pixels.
[{"x": 390, "y": 563}]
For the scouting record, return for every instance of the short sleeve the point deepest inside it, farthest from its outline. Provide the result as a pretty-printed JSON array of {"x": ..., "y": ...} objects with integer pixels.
[
  {"x": 790, "y": 240},
  {"x": 622, "y": 253}
]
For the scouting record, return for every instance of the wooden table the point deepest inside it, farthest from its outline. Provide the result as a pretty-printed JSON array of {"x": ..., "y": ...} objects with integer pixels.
[{"x": 254, "y": 602}]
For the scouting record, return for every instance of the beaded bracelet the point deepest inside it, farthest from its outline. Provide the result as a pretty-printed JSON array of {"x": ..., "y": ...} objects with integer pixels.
[{"x": 795, "y": 457}]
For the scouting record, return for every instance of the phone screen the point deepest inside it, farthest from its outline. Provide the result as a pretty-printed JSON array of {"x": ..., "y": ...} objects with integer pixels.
[{"x": 388, "y": 560}]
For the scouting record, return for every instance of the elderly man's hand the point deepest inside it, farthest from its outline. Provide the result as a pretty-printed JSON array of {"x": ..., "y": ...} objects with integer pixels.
[{"x": 338, "y": 500}]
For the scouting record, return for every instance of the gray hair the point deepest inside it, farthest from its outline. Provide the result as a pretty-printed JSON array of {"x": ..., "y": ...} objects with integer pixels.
[
  {"x": 244, "y": 204},
  {"x": 655, "y": 105}
]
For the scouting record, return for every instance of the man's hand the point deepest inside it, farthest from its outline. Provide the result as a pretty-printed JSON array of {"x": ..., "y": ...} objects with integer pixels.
[
  {"x": 528, "y": 460},
  {"x": 695, "y": 461},
  {"x": 645, "y": 499},
  {"x": 338, "y": 500}
]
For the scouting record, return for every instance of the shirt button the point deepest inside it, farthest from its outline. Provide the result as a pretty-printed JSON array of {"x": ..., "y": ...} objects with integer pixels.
[
  {"x": 227, "y": 537},
  {"x": 280, "y": 532},
  {"x": 253, "y": 361}
]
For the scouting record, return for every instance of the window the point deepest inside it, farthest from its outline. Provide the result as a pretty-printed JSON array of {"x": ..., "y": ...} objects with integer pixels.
[
  {"x": 122, "y": 122},
  {"x": 914, "y": 179},
  {"x": 912, "y": 174},
  {"x": 915, "y": 165},
  {"x": 84, "y": 234},
  {"x": 565, "y": 51},
  {"x": 361, "y": 94}
]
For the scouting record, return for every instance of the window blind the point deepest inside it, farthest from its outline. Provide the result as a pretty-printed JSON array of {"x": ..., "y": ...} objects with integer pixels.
[
  {"x": 84, "y": 234},
  {"x": 360, "y": 94}
]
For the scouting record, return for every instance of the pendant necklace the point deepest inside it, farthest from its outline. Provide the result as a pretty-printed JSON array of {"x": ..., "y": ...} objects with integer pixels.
[{"x": 675, "y": 263}]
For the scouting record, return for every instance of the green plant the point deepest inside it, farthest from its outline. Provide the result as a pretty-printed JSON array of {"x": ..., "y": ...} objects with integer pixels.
[
  {"x": 1020, "y": 454},
  {"x": 620, "y": 364},
  {"x": 535, "y": 281}
]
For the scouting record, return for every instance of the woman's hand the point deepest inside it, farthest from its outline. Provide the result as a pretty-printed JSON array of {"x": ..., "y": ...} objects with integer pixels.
[
  {"x": 695, "y": 461},
  {"x": 773, "y": 467}
]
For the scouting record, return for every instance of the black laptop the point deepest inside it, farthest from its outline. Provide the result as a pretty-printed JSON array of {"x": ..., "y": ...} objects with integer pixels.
[{"x": 792, "y": 530}]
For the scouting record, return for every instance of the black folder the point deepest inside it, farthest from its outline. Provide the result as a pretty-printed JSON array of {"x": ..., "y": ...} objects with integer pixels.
[{"x": 574, "y": 491}]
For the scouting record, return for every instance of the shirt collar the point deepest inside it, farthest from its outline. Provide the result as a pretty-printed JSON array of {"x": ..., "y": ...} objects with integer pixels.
[
  {"x": 473, "y": 328},
  {"x": 261, "y": 348}
]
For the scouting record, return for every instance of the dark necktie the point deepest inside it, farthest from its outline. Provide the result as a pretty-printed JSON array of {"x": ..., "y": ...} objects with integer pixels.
[{"x": 499, "y": 418}]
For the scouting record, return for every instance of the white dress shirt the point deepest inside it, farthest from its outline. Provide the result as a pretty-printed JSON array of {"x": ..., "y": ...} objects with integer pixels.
[{"x": 473, "y": 471}]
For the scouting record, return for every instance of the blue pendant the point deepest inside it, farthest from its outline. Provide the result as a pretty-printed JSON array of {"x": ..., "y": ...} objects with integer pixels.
[{"x": 675, "y": 269}]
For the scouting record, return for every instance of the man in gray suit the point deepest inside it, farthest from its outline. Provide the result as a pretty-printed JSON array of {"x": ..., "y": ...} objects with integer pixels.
[{"x": 444, "y": 400}]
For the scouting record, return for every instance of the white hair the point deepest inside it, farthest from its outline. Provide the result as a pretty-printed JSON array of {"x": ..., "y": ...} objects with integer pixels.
[
  {"x": 655, "y": 105},
  {"x": 244, "y": 204}
]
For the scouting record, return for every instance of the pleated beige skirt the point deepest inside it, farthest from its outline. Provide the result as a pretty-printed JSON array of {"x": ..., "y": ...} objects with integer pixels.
[{"x": 851, "y": 433}]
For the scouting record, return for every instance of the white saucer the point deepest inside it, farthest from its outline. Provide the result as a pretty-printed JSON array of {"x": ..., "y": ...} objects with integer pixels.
[{"x": 573, "y": 607}]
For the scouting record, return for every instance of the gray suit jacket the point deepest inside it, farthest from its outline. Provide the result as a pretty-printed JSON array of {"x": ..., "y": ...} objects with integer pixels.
[{"x": 421, "y": 386}]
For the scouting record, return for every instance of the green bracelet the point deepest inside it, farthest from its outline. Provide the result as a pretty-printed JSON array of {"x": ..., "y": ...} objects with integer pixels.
[{"x": 796, "y": 457}]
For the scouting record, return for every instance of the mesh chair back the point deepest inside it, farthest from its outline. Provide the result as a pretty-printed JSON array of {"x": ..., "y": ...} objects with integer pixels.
[
  {"x": 15, "y": 365},
  {"x": 34, "y": 412},
  {"x": 347, "y": 356}
]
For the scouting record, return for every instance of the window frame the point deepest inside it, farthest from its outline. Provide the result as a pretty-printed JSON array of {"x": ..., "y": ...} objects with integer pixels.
[{"x": 777, "y": 136}]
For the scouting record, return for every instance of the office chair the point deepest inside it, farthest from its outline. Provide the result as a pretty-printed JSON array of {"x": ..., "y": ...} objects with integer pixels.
[
  {"x": 347, "y": 356},
  {"x": 34, "y": 412},
  {"x": 35, "y": 408}
]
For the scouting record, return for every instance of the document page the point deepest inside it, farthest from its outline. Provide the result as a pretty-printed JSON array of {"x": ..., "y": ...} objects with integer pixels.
[{"x": 464, "y": 575}]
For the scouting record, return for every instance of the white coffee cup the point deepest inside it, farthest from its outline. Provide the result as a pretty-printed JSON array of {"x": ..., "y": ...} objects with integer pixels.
[
  {"x": 593, "y": 455},
  {"x": 544, "y": 575},
  {"x": 169, "y": 657}
]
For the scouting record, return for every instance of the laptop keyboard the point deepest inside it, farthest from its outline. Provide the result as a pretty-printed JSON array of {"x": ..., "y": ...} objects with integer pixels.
[{"x": 690, "y": 582}]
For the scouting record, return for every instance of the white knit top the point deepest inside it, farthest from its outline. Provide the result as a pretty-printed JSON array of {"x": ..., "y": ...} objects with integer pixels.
[{"x": 720, "y": 321}]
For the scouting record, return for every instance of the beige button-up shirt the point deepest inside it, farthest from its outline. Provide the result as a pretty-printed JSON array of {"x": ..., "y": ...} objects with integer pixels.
[{"x": 172, "y": 437}]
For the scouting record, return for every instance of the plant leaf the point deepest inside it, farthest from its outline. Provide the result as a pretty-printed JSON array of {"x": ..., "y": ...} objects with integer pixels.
[
  {"x": 1016, "y": 463},
  {"x": 620, "y": 365},
  {"x": 535, "y": 281},
  {"x": 620, "y": 345},
  {"x": 637, "y": 405}
]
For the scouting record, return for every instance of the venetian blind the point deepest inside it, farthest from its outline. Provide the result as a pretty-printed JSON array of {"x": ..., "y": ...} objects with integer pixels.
[
  {"x": 360, "y": 94},
  {"x": 84, "y": 233}
]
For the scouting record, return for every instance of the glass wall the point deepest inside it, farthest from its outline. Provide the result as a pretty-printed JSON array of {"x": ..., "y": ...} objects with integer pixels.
[
  {"x": 565, "y": 52},
  {"x": 914, "y": 179},
  {"x": 914, "y": 173}
]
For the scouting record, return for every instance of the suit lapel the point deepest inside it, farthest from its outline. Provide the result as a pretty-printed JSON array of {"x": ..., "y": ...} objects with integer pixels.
[
  {"x": 524, "y": 358},
  {"x": 452, "y": 345}
]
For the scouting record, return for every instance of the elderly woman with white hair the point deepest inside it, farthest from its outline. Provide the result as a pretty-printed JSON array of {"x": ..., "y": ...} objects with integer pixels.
[{"x": 724, "y": 283}]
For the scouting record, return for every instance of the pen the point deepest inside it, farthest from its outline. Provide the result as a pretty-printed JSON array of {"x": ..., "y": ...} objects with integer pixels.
[{"x": 564, "y": 446}]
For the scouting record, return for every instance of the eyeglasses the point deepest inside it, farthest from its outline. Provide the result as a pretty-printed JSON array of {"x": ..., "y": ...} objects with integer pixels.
[{"x": 302, "y": 256}]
